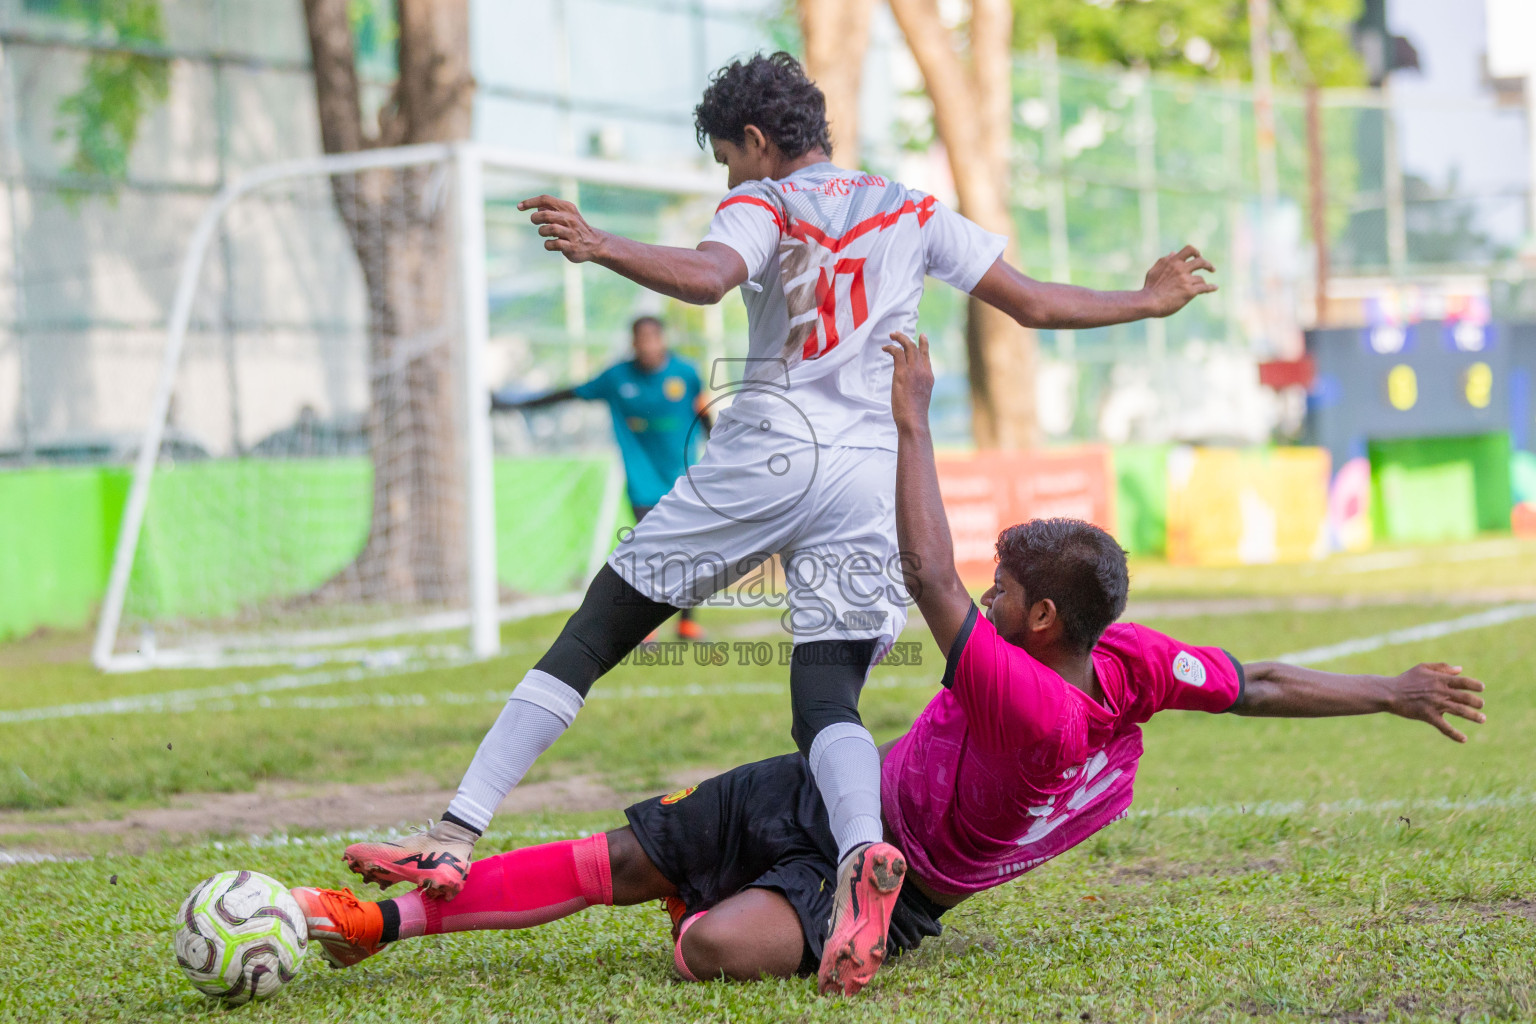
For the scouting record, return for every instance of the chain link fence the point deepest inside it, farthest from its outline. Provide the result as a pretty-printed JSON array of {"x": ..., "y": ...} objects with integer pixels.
[{"x": 1112, "y": 170}]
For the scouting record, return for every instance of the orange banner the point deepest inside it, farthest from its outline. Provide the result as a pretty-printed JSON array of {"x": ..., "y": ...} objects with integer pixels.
[{"x": 988, "y": 491}]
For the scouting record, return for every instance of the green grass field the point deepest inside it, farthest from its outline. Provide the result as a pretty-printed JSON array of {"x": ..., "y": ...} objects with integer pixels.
[{"x": 1345, "y": 870}]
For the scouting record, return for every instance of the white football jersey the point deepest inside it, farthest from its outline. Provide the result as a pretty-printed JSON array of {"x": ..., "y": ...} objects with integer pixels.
[{"x": 835, "y": 263}]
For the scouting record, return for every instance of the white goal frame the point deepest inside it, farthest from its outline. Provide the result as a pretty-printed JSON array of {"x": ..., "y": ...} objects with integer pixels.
[{"x": 468, "y": 161}]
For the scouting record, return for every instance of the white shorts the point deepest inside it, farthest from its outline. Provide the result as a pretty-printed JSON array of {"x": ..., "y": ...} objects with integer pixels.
[{"x": 828, "y": 512}]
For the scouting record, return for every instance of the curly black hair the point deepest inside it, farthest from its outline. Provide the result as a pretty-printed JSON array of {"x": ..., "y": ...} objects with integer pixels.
[
  {"x": 1073, "y": 563},
  {"x": 769, "y": 92}
]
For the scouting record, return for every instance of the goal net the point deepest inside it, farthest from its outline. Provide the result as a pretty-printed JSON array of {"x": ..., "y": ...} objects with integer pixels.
[{"x": 337, "y": 489}]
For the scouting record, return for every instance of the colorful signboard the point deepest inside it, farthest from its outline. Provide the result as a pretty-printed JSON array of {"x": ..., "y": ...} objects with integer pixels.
[
  {"x": 1229, "y": 506},
  {"x": 987, "y": 491}
]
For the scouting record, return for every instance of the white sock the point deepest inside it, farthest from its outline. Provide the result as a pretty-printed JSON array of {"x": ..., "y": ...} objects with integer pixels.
[
  {"x": 846, "y": 765},
  {"x": 539, "y": 710}
]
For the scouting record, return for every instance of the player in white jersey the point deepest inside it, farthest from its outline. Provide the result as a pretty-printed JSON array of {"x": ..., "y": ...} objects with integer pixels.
[{"x": 802, "y": 463}]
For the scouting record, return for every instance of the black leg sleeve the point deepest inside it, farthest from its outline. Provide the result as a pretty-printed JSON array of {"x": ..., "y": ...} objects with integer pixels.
[
  {"x": 612, "y": 620},
  {"x": 825, "y": 678}
]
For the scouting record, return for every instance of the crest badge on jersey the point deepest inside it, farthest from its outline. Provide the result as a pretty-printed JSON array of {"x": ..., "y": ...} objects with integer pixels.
[
  {"x": 672, "y": 798},
  {"x": 674, "y": 389},
  {"x": 1188, "y": 669}
]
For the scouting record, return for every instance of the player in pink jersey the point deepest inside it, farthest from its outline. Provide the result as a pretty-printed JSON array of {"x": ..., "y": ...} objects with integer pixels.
[
  {"x": 801, "y": 464},
  {"x": 1030, "y": 748}
]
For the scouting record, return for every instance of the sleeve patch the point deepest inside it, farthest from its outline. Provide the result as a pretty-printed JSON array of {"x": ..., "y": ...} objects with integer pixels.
[{"x": 1188, "y": 669}]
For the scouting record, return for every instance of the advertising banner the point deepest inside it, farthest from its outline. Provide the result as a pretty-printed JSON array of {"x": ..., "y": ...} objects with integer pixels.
[
  {"x": 987, "y": 491},
  {"x": 1229, "y": 506}
]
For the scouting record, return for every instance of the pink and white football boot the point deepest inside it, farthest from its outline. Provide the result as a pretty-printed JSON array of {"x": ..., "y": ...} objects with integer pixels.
[{"x": 868, "y": 884}]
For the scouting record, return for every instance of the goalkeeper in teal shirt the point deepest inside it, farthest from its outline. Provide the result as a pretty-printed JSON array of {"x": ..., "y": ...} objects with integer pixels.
[{"x": 653, "y": 399}]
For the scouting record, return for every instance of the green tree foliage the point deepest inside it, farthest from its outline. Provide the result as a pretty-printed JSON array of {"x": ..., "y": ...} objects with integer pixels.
[
  {"x": 119, "y": 88},
  {"x": 375, "y": 34},
  {"x": 1202, "y": 38}
]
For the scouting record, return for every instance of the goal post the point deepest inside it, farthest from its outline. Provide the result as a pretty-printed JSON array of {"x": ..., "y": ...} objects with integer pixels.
[
  {"x": 346, "y": 301},
  {"x": 485, "y": 630}
]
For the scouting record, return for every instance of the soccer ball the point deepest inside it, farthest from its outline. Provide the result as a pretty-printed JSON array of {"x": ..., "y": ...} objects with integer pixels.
[{"x": 240, "y": 936}]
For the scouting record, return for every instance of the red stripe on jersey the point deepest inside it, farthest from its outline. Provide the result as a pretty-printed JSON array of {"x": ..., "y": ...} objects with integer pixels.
[
  {"x": 733, "y": 200},
  {"x": 879, "y": 222}
]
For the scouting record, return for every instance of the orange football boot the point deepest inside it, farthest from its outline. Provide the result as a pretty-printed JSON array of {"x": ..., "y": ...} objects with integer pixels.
[{"x": 347, "y": 929}]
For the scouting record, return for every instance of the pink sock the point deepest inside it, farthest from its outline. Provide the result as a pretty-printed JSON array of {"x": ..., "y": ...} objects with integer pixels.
[
  {"x": 518, "y": 889},
  {"x": 677, "y": 952}
]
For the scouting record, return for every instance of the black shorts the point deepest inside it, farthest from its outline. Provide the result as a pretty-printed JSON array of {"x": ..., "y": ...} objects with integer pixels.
[{"x": 762, "y": 826}]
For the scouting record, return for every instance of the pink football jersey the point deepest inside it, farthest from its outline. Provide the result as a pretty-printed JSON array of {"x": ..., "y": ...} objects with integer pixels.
[
  {"x": 1011, "y": 765},
  {"x": 835, "y": 262}
]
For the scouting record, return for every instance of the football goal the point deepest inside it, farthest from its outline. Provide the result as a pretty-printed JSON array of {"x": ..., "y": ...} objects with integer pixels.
[{"x": 337, "y": 328}]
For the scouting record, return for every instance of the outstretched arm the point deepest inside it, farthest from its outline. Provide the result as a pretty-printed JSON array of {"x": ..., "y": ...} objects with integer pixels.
[
  {"x": 922, "y": 529},
  {"x": 553, "y": 398},
  {"x": 1425, "y": 692},
  {"x": 1171, "y": 283},
  {"x": 701, "y": 276}
]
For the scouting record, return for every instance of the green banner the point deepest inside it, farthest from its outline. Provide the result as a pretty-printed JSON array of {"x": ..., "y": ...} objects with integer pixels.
[
  {"x": 1428, "y": 504},
  {"x": 223, "y": 537},
  {"x": 57, "y": 528},
  {"x": 1419, "y": 492},
  {"x": 1141, "y": 498},
  {"x": 546, "y": 514}
]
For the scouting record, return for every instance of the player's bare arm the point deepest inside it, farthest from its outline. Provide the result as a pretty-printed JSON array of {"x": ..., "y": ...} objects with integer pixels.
[
  {"x": 1426, "y": 692},
  {"x": 701, "y": 276},
  {"x": 499, "y": 404},
  {"x": 1170, "y": 285},
  {"x": 922, "y": 529}
]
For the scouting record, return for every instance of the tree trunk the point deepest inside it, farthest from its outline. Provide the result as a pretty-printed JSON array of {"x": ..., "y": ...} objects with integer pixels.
[
  {"x": 972, "y": 111},
  {"x": 397, "y": 220},
  {"x": 836, "y": 34}
]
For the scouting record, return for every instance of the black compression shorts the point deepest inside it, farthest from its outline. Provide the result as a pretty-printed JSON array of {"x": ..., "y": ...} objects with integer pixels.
[{"x": 762, "y": 826}]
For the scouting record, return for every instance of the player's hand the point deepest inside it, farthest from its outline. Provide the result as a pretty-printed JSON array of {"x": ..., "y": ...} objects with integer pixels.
[
  {"x": 911, "y": 381},
  {"x": 1429, "y": 692},
  {"x": 564, "y": 229},
  {"x": 1173, "y": 281}
]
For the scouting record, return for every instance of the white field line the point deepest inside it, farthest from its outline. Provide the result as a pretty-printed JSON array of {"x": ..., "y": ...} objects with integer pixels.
[
  {"x": 305, "y": 648},
  {"x": 1411, "y": 634},
  {"x": 188, "y": 698},
  {"x": 1291, "y": 808},
  {"x": 298, "y": 659},
  {"x": 258, "y": 696},
  {"x": 223, "y": 698},
  {"x": 1380, "y": 561},
  {"x": 32, "y": 857}
]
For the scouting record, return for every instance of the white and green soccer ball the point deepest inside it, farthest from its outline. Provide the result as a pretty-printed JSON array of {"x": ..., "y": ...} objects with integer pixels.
[{"x": 240, "y": 936}]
